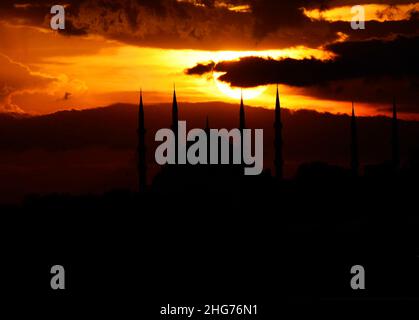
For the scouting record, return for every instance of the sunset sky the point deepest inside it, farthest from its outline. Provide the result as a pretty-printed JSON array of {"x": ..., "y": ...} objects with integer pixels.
[{"x": 210, "y": 49}]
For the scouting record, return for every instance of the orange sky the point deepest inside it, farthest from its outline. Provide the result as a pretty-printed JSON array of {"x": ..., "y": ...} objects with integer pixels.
[
  {"x": 100, "y": 72},
  {"x": 54, "y": 72}
]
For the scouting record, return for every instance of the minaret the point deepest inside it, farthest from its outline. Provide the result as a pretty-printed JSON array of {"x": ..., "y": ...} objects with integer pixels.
[
  {"x": 175, "y": 122},
  {"x": 207, "y": 131},
  {"x": 207, "y": 128},
  {"x": 395, "y": 138},
  {"x": 278, "y": 161},
  {"x": 142, "y": 166},
  {"x": 242, "y": 118},
  {"x": 242, "y": 126},
  {"x": 354, "y": 144}
]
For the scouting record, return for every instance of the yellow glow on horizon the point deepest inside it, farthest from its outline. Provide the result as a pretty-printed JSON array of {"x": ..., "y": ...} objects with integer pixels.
[
  {"x": 114, "y": 72},
  {"x": 92, "y": 71},
  {"x": 117, "y": 73},
  {"x": 236, "y": 93},
  {"x": 378, "y": 12},
  {"x": 298, "y": 52},
  {"x": 127, "y": 68}
]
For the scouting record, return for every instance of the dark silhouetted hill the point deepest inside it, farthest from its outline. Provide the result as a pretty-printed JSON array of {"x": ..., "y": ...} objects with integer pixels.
[{"x": 94, "y": 150}]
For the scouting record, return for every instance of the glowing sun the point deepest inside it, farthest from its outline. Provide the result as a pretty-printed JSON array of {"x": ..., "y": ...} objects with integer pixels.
[{"x": 235, "y": 93}]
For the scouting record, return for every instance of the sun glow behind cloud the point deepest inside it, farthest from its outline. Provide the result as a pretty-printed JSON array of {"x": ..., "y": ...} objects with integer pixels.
[
  {"x": 220, "y": 4},
  {"x": 378, "y": 12},
  {"x": 113, "y": 71}
]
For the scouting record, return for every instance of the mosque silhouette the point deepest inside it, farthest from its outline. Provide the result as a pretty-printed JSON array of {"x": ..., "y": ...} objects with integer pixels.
[{"x": 169, "y": 176}]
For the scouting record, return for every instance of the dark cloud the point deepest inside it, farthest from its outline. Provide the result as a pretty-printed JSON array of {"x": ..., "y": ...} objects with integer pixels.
[
  {"x": 355, "y": 59},
  {"x": 371, "y": 70},
  {"x": 71, "y": 30},
  {"x": 376, "y": 29},
  {"x": 201, "y": 68},
  {"x": 205, "y": 24},
  {"x": 25, "y": 12},
  {"x": 271, "y": 15},
  {"x": 201, "y": 24}
]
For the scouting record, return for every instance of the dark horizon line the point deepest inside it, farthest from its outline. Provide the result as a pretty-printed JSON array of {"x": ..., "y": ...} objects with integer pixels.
[{"x": 19, "y": 116}]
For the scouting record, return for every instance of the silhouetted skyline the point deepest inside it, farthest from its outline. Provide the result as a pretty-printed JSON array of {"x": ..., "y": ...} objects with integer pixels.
[
  {"x": 278, "y": 141},
  {"x": 142, "y": 165},
  {"x": 278, "y": 161},
  {"x": 354, "y": 144}
]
